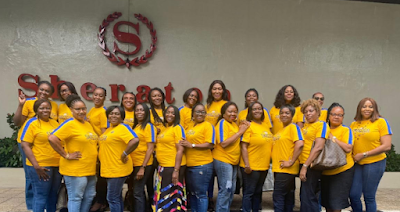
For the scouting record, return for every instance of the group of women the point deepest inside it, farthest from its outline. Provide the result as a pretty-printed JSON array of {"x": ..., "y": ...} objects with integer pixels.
[{"x": 189, "y": 145}]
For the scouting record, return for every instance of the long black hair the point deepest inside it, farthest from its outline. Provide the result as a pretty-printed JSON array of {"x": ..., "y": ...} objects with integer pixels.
[
  {"x": 176, "y": 113},
  {"x": 70, "y": 86},
  {"x": 210, "y": 98},
  {"x": 146, "y": 119},
  {"x": 333, "y": 105},
  {"x": 225, "y": 107},
  {"x": 280, "y": 97},
  {"x": 245, "y": 95},
  {"x": 249, "y": 116},
  {"x": 153, "y": 110}
]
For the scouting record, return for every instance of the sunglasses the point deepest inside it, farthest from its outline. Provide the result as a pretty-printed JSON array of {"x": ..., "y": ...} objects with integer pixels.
[{"x": 319, "y": 98}]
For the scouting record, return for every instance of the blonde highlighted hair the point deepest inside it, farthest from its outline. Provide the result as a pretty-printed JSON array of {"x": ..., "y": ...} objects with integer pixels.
[{"x": 313, "y": 103}]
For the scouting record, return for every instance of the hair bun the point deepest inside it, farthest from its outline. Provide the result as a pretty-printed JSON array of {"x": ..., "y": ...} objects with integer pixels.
[{"x": 72, "y": 98}]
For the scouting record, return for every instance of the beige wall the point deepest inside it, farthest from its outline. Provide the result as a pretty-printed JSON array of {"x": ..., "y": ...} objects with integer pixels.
[{"x": 347, "y": 50}]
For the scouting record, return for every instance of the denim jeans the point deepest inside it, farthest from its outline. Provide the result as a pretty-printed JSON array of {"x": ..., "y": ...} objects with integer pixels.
[
  {"x": 283, "y": 196},
  {"x": 226, "y": 175},
  {"x": 252, "y": 189},
  {"x": 309, "y": 191},
  {"x": 81, "y": 191},
  {"x": 45, "y": 192},
  {"x": 365, "y": 181},
  {"x": 139, "y": 196},
  {"x": 28, "y": 183},
  {"x": 198, "y": 178},
  {"x": 114, "y": 193}
]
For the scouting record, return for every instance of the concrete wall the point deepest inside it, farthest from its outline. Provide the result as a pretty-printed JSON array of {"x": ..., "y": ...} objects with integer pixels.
[{"x": 347, "y": 50}]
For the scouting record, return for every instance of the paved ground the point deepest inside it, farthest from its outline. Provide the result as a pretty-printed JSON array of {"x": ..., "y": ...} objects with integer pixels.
[{"x": 12, "y": 194}]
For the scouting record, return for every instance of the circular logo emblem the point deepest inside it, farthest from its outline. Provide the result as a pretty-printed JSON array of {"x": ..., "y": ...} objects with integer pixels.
[{"x": 125, "y": 37}]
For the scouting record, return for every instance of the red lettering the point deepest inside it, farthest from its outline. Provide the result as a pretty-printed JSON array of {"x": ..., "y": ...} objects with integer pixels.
[
  {"x": 200, "y": 98},
  {"x": 168, "y": 91},
  {"x": 28, "y": 85},
  {"x": 143, "y": 91},
  {"x": 85, "y": 91},
  {"x": 54, "y": 81},
  {"x": 127, "y": 37},
  {"x": 114, "y": 91}
]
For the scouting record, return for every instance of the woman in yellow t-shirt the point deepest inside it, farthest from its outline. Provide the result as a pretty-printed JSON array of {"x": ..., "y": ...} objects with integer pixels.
[
  {"x": 320, "y": 98},
  {"x": 116, "y": 143},
  {"x": 43, "y": 161},
  {"x": 317, "y": 132},
  {"x": 128, "y": 102},
  {"x": 78, "y": 163},
  {"x": 142, "y": 157},
  {"x": 64, "y": 90},
  {"x": 24, "y": 112},
  {"x": 251, "y": 96},
  {"x": 286, "y": 95},
  {"x": 156, "y": 100},
  {"x": 217, "y": 97},
  {"x": 256, "y": 146},
  {"x": 288, "y": 143},
  {"x": 372, "y": 138},
  {"x": 334, "y": 199},
  {"x": 190, "y": 98},
  {"x": 97, "y": 115},
  {"x": 200, "y": 139},
  {"x": 170, "y": 184},
  {"x": 226, "y": 154}
]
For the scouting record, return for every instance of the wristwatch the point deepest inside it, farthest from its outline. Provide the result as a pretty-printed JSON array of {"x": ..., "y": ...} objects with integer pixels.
[{"x": 193, "y": 145}]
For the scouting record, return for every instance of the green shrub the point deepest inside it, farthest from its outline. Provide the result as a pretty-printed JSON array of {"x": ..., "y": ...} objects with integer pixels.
[
  {"x": 392, "y": 161},
  {"x": 9, "y": 152}
]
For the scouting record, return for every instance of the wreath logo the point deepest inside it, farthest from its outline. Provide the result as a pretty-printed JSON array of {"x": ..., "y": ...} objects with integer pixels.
[{"x": 111, "y": 56}]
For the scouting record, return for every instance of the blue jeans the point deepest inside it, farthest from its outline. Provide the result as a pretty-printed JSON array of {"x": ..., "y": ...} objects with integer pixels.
[
  {"x": 252, "y": 189},
  {"x": 309, "y": 191},
  {"x": 45, "y": 192},
  {"x": 226, "y": 176},
  {"x": 198, "y": 178},
  {"x": 365, "y": 181},
  {"x": 28, "y": 183},
  {"x": 114, "y": 193},
  {"x": 81, "y": 191},
  {"x": 283, "y": 196},
  {"x": 139, "y": 196}
]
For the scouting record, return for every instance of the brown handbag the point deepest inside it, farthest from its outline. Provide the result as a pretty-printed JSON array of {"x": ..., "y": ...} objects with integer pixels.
[{"x": 332, "y": 156}]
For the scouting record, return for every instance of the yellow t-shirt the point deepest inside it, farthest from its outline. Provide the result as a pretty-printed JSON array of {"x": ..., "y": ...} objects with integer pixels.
[
  {"x": 318, "y": 129},
  {"x": 345, "y": 135},
  {"x": 260, "y": 141},
  {"x": 112, "y": 144},
  {"x": 243, "y": 114},
  {"x": 165, "y": 149},
  {"x": 158, "y": 125},
  {"x": 284, "y": 142},
  {"x": 276, "y": 122},
  {"x": 230, "y": 154},
  {"x": 324, "y": 114},
  {"x": 186, "y": 117},
  {"x": 27, "y": 110},
  {"x": 37, "y": 132},
  {"x": 98, "y": 119},
  {"x": 146, "y": 135},
  {"x": 64, "y": 113},
  {"x": 367, "y": 136},
  {"x": 214, "y": 111},
  {"x": 200, "y": 134},
  {"x": 129, "y": 118},
  {"x": 80, "y": 137}
]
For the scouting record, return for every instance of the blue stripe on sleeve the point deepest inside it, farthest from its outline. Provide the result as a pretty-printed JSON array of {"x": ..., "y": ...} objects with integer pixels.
[
  {"x": 213, "y": 136},
  {"x": 153, "y": 137},
  {"x": 269, "y": 116},
  {"x": 388, "y": 126},
  {"x": 33, "y": 98},
  {"x": 323, "y": 133},
  {"x": 68, "y": 120},
  {"x": 104, "y": 107},
  {"x": 298, "y": 132},
  {"x": 221, "y": 130},
  {"x": 350, "y": 136},
  {"x": 241, "y": 138},
  {"x": 182, "y": 131},
  {"x": 26, "y": 127},
  {"x": 130, "y": 130},
  {"x": 180, "y": 108}
]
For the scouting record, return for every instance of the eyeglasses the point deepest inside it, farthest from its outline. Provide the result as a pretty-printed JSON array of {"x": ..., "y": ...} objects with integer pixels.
[
  {"x": 200, "y": 112},
  {"x": 337, "y": 115},
  {"x": 319, "y": 98}
]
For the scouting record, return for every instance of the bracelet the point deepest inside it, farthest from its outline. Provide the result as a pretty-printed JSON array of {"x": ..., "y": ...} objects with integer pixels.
[
  {"x": 304, "y": 165},
  {"x": 176, "y": 170},
  {"x": 67, "y": 156},
  {"x": 365, "y": 154},
  {"x": 125, "y": 153}
]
